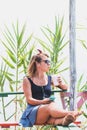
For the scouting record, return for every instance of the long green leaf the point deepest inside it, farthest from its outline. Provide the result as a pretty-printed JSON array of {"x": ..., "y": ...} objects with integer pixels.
[
  {"x": 8, "y": 63},
  {"x": 9, "y": 40},
  {"x": 44, "y": 44},
  {"x": 11, "y": 56},
  {"x": 12, "y": 37},
  {"x": 21, "y": 36},
  {"x": 25, "y": 44}
]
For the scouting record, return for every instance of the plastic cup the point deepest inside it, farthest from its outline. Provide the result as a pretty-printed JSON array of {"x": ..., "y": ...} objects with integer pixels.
[{"x": 55, "y": 80}]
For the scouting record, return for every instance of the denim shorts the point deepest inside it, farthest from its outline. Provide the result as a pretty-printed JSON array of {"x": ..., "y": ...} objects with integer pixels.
[{"x": 29, "y": 116}]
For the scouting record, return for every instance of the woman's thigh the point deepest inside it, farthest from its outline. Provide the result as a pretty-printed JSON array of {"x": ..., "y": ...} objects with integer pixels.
[{"x": 42, "y": 114}]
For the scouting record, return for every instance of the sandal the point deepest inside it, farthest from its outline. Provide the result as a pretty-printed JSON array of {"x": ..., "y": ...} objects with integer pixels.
[{"x": 68, "y": 119}]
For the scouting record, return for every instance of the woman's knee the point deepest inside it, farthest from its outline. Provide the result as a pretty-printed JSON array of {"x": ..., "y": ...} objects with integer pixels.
[
  {"x": 43, "y": 114},
  {"x": 49, "y": 107},
  {"x": 44, "y": 109}
]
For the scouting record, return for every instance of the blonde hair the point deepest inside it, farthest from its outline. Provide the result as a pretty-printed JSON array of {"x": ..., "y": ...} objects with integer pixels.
[{"x": 32, "y": 65}]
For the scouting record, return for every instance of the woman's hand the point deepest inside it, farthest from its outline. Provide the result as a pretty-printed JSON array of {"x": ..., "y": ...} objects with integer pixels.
[
  {"x": 46, "y": 101},
  {"x": 61, "y": 84},
  {"x": 58, "y": 82}
]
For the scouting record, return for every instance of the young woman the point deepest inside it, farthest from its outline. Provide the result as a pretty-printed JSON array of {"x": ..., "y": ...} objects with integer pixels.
[{"x": 37, "y": 89}]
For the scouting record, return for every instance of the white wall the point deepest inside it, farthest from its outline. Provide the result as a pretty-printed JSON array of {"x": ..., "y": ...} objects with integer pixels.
[{"x": 37, "y": 13}]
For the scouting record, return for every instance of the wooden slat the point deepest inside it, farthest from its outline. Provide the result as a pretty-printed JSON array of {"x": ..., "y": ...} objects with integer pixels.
[
  {"x": 62, "y": 128},
  {"x": 8, "y": 124},
  {"x": 82, "y": 97},
  {"x": 6, "y": 94},
  {"x": 70, "y": 127}
]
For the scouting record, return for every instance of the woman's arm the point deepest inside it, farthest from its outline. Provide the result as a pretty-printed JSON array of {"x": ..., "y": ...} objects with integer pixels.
[
  {"x": 28, "y": 94},
  {"x": 57, "y": 82},
  {"x": 61, "y": 84}
]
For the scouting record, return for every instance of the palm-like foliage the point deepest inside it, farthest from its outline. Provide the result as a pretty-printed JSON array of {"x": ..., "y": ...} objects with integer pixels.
[
  {"x": 3, "y": 75},
  {"x": 17, "y": 51},
  {"x": 54, "y": 45},
  {"x": 84, "y": 43},
  {"x": 80, "y": 85},
  {"x": 18, "y": 55}
]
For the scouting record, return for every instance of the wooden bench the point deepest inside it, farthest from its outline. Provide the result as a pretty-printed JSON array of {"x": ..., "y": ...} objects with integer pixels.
[
  {"x": 72, "y": 126},
  {"x": 8, "y": 124},
  {"x": 82, "y": 97},
  {"x": 6, "y": 94},
  {"x": 63, "y": 95}
]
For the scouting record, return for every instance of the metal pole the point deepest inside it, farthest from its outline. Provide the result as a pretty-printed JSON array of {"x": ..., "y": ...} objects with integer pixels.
[{"x": 72, "y": 37}]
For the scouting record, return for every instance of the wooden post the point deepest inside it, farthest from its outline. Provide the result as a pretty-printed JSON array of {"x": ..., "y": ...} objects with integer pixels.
[{"x": 72, "y": 37}]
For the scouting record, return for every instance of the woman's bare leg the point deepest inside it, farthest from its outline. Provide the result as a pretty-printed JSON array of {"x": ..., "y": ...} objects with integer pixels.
[
  {"x": 65, "y": 121},
  {"x": 56, "y": 113},
  {"x": 42, "y": 115},
  {"x": 50, "y": 110},
  {"x": 54, "y": 121}
]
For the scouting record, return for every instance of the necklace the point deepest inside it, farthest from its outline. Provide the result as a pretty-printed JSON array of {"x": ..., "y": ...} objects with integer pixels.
[{"x": 40, "y": 82}]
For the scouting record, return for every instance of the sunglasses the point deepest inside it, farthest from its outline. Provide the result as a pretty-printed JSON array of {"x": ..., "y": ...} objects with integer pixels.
[{"x": 46, "y": 61}]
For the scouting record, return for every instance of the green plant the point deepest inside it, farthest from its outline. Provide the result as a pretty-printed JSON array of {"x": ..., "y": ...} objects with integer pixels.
[
  {"x": 18, "y": 49},
  {"x": 4, "y": 76},
  {"x": 54, "y": 44},
  {"x": 80, "y": 85}
]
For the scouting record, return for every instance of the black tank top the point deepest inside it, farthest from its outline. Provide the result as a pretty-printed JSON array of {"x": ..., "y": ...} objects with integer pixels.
[{"x": 41, "y": 92}]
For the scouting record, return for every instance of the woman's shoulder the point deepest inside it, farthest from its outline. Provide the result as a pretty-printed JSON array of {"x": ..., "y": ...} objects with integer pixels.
[{"x": 26, "y": 79}]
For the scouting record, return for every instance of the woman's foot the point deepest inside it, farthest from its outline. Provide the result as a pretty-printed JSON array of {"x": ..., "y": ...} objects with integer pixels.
[
  {"x": 68, "y": 119},
  {"x": 77, "y": 113}
]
